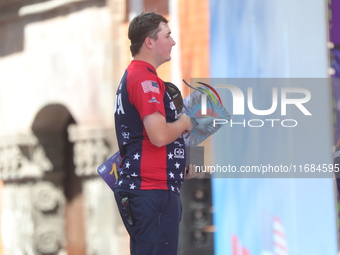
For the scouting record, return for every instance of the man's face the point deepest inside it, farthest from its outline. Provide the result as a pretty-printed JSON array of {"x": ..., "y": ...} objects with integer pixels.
[{"x": 163, "y": 44}]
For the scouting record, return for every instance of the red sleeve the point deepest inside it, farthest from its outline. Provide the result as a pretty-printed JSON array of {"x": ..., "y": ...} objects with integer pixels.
[{"x": 148, "y": 96}]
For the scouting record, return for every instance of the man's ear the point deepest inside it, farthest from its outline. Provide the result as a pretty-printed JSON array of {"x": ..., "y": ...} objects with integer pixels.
[{"x": 148, "y": 43}]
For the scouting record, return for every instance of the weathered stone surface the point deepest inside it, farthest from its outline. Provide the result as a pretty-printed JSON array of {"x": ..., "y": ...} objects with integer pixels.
[{"x": 58, "y": 67}]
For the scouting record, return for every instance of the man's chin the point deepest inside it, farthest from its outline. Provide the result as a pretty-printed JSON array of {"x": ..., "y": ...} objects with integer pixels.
[{"x": 166, "y": 60}]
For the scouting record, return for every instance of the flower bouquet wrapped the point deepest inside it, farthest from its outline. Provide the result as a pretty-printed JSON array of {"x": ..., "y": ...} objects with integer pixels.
[{"x": 203, "y": 106}]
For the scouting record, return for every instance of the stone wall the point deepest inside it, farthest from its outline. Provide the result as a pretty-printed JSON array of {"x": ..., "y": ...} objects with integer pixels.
[{"x": 60, "y": 63}]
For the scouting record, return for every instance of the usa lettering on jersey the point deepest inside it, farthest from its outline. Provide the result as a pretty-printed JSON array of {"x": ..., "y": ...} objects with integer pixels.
[
  {"x": 150, "y": 86},
  {"x": 119, "y": 105}
]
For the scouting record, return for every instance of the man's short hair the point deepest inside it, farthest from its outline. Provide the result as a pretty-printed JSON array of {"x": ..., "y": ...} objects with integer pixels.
[{"x": 144, "y": 25}]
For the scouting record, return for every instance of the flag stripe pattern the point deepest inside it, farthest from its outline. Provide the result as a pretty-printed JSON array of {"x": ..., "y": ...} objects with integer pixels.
[
  {"x": 280, "y": 241},
  {"x": 150, "y": 86}
]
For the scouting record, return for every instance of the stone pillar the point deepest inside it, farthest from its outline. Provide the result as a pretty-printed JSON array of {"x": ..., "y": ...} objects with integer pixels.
[
  {"x": 32, "y": 216},
  {"x": 105, "y": 232}
]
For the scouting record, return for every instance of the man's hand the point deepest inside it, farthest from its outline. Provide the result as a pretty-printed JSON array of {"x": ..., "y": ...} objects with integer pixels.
[
  {"x": 188, "y": 120},
  {"x": 190, "y": 172}
]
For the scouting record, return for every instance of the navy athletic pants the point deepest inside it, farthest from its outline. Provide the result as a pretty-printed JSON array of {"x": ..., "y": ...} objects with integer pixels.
[{"x": 151, "y": 218}]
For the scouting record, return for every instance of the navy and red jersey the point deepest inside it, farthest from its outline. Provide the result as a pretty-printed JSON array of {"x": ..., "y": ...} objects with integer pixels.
[{"x": 145, "y": 166}]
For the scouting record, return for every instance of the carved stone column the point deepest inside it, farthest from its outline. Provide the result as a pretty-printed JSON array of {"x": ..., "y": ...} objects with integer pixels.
[
  {"x": 105, "y": 232},
  {"x": 32, "y": 216}
]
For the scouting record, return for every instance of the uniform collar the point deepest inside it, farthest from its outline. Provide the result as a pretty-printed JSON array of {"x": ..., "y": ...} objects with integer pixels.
[{"x": 146, "y": 64}]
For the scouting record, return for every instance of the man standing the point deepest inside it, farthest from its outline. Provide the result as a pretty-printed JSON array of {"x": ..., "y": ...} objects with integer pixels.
[{"x": 149, "y": 133}]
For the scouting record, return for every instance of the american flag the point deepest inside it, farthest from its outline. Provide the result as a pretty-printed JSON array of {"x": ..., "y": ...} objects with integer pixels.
[
  {"x": 150, "y": 86},
  {"x": 280, "y": 241},
  {"x": 237, "y": 247}
]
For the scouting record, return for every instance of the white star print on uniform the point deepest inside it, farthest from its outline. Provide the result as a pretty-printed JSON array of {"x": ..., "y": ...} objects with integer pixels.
[
  {"x": 127, "y": 165},
  {"x": 136, "y": 156},
  {"x": 134, "y": 174},
  {"x": 120, "y": 182},
  {"x": 132, "y": 186},
  {"x": 170, "y": 155},
  {"x": 181, "y": 174},
  {"x": 171, "y": 175},
  {"x": 172, "y": 188},
  {"x": 177, "y": 165}
]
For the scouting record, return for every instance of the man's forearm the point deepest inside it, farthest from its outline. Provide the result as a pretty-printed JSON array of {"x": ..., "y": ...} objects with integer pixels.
[{"x": 162, "y": 133}]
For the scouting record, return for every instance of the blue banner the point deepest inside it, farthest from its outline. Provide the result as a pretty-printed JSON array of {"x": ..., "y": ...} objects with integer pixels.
[{"x": 273, "y": 216}]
